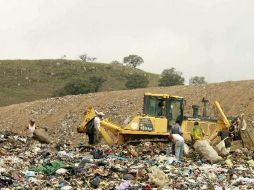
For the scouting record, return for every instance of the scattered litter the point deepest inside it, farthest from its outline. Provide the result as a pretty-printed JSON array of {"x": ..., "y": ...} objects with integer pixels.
[{"x": 28, "y": 164}]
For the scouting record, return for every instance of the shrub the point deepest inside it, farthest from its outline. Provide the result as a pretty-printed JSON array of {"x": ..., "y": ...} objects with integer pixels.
[
  {"x": 82, "y": 86},
  {"x": 171, "y": 77},
  {"x": 136, "y": 81},
  {"x": 78, "y": 87}
]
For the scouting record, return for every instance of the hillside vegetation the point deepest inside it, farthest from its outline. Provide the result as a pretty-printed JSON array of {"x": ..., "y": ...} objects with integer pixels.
[{"x": 28, "y": 80}]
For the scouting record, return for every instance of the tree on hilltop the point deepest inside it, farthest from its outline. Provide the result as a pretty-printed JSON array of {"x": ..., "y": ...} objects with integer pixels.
[
  {"x": 133, "y": 60},
  {"x": 115, "y": 62},
  {"x": 197, "y": 80},
  {"x": 84, "y": 57},
  {"x": 171, "y": 77}
]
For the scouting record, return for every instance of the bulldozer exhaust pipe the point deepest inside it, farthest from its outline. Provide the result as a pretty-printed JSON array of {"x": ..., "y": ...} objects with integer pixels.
[
  {"x": 205, "y": 108},
  {"x": 195, "y": 110}
]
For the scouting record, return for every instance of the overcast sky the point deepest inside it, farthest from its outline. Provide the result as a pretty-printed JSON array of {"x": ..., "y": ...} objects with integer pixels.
[{"x": 211, "y": 38}]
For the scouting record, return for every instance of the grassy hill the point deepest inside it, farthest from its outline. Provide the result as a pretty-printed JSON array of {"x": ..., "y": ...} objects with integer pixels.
[{"x": 28, "y": 80}]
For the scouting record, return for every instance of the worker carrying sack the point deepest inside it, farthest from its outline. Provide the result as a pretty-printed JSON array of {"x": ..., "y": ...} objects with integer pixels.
[
  {"x": 221, "y": 148},
  {"x": 41, "y": 136},
  {"x": 86, "y": 127},
  {"x": 204, "y": 148},
  {"x": 90, "y": 127}
]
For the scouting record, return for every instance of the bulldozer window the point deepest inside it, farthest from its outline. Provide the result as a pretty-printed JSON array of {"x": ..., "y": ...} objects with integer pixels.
[
  {"x": 154, "y": 106},
  {"x": 175, "y": 111},
  {"x": 161, "y": 108}
]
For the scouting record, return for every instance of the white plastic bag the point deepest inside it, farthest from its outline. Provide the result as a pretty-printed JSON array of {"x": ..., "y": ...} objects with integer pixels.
[
  {"x": 41, "y": 136},
  {"x": 186, "y": 149},
  {"x": 207, "y": 151},
  {"x": 221, "y": 148},
  {"x": 158, "y": 177}
]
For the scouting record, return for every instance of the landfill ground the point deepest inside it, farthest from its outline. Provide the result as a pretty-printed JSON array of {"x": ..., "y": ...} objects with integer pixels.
[
  {"x": 68, "y": 163},
  {"x": 28, "y": 164}
]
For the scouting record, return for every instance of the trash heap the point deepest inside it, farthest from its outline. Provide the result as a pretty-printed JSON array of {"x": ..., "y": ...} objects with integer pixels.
[{"x": 28, "y": 164}]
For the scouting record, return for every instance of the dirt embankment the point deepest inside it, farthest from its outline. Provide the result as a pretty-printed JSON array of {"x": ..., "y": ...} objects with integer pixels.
[{"x": 62, "y": 115}]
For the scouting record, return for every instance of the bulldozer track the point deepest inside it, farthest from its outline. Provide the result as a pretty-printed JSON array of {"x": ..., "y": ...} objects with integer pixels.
[{"x": 145, "y": 140}]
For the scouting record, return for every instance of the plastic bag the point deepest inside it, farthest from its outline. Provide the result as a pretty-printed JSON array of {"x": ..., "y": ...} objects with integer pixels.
[
  {"x": 221, "y": 148},
  {"x": 158, "y": 177},
  {"x": 41, "y": 136},
  {"x": 207, "y": 151},
  {"x": 186, "y": 149}
]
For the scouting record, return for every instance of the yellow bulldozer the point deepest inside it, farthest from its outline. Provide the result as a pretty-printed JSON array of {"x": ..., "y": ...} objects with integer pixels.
[{"x": 160, "y": 111}]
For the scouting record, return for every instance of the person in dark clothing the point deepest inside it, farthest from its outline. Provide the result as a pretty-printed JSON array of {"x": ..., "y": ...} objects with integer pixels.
[
  {"x": 176, "y": 129},
  {"x": 226, "y": 136},
  {"x": 90, "y": 131},
  {"x": 93, "y": 128},
  {"x": 161, "y": 108},
  {"x": 235, "y": 129}
]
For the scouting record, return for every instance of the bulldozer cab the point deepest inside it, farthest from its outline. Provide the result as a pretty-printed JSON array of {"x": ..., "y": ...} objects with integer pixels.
[{"x": 164, "y": 106}]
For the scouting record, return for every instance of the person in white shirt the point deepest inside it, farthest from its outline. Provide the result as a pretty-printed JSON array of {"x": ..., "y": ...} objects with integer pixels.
[
  {"x": 243, "y": 124},
  {"x": 176, "y": 129},
  {"x": 97, "y": 125},
  {"x": 178, "y": 140},
  {"x": 94, "y": 132},
  {"x": 31, "y": 127}
]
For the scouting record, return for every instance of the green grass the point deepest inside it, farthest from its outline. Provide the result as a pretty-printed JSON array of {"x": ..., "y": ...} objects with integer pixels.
[{"x": 29, "y": 80}]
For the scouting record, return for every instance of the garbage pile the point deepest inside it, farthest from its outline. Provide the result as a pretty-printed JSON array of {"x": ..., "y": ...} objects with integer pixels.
[{"x": 28, "y": 164}]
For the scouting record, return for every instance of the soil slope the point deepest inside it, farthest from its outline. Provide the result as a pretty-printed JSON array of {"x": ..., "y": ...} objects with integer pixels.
[{"x": 62, "y": 115}]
